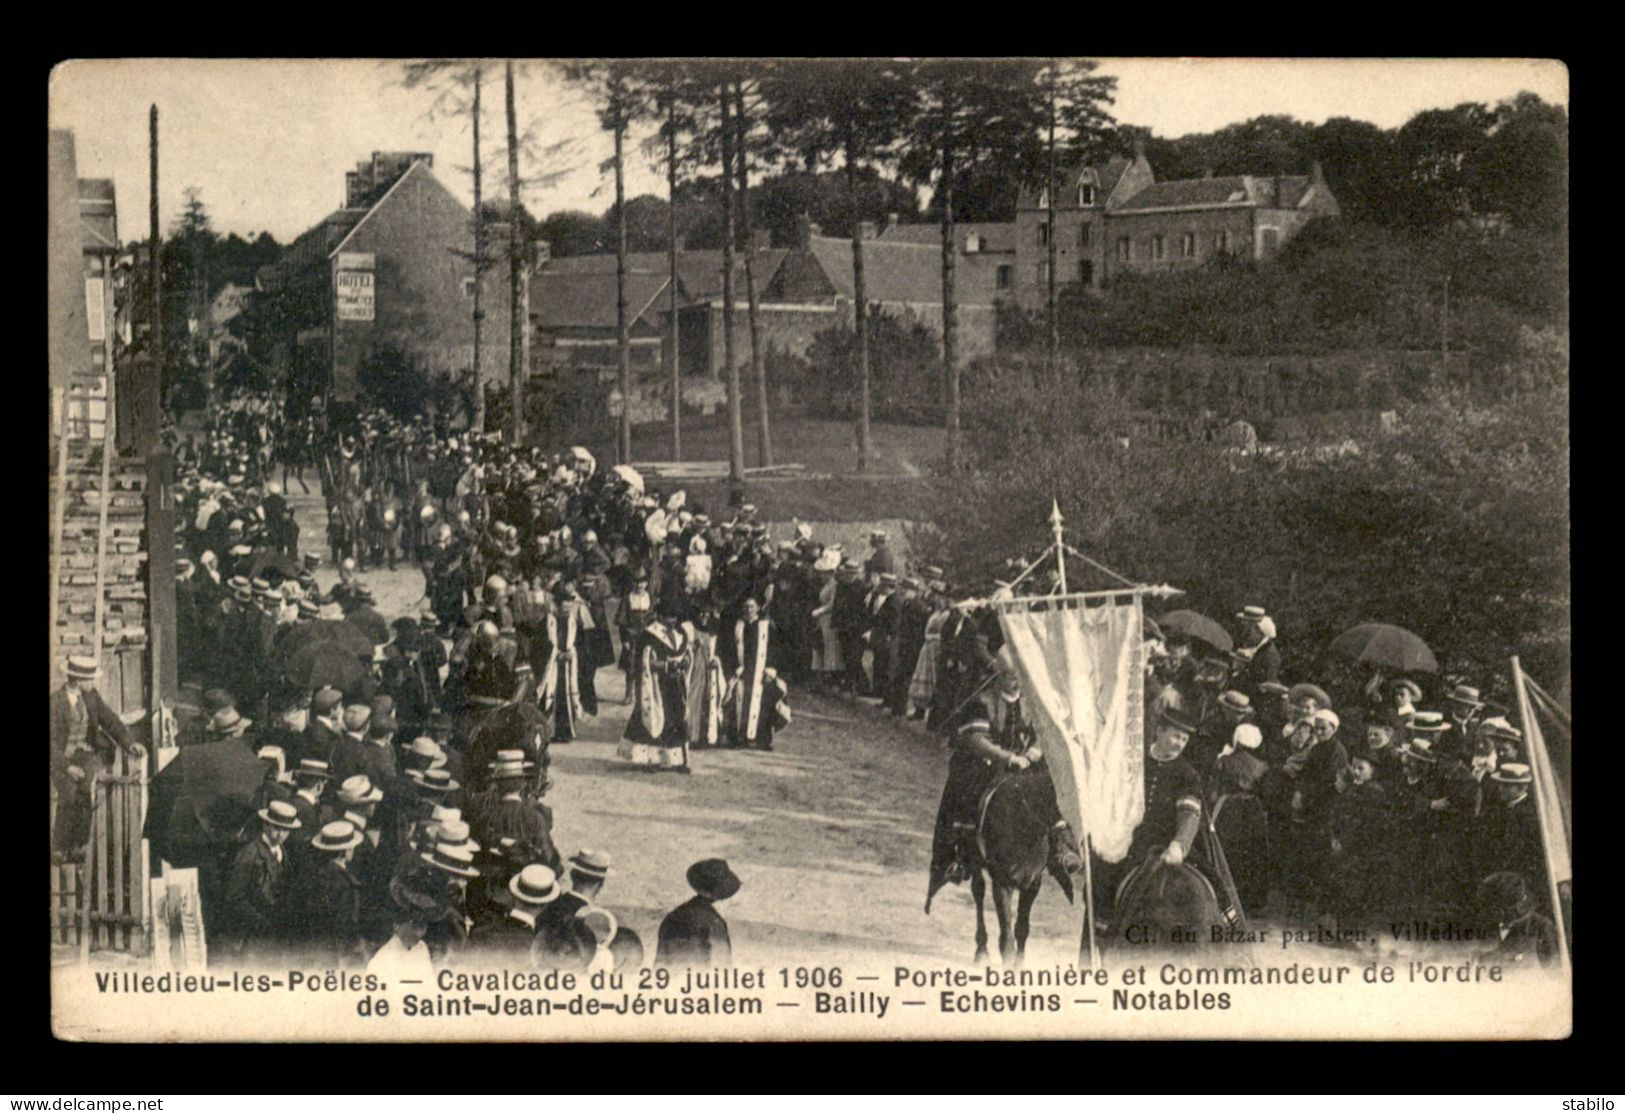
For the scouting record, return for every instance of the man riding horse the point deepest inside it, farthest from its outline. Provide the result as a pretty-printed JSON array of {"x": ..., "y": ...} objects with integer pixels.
[{"x": 985, "y": 752}]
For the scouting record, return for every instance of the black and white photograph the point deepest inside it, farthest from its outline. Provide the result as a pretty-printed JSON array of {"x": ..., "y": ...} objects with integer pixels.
[{"x": 768, "y": 549}]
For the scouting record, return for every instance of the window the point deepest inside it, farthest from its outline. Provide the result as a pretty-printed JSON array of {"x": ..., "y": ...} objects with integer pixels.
[
  {"x": 1043, "y": 233},
  {"x": 468, "y": 287},
  {"x": 1221, "y": 243},
  {"x": 1187, "y": 246},
  {"x": 1156, "y": 247},
  {"x": 1086, "y": 272},
  {"x": 973, "y": 244},
  {"x": 1085, "y": 234},
  {"x": 1086, "y": 195},
  {"x": 1001, "y": 276},
  {"x": 1125, "y": 249}
]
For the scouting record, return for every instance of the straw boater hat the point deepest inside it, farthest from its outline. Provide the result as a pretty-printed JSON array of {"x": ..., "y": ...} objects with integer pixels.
[
  {"x": 313, "y": 768},
  {"x": 1236, "y": 702},
  {"x": 510, "y": 764},
  {"x": 1498, "y": 727},
  {"x": 433, "y": 779},
  {"x": 1309, "y": 691},
  {"x": 455, "y": 860},
  {"x": 228, "y": 722},
  {"x": 456, "y": 832},
  {"x": 337, "y": 836},
  {"x": 1252, "y": 614},
  {"x": 590, "y": 863},
  {"x": 83, "y": 668},
  {"x": 358, "y": 790},
  {"x": 280, "y": 813},
  {"x": 1428, "y": 722},
  {"x": 1421, "y": 749},
  {"x": 1274, "y": 688},
  {"x": 1513, "y": 773},
  {"x": 1466, "y": 695},
  {"x": 535, "y": 884}
]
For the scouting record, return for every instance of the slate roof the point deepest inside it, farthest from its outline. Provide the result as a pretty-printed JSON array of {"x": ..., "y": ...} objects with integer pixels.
[
  {"x": 1201, "y": 192},
  {"x": 699, "y": 273},
  {"x": 996, "y": 237},
  {"x": 577, "y": 300},
  {"x": 1107, "y": 175},
  {"x": 896, "y": 271}
]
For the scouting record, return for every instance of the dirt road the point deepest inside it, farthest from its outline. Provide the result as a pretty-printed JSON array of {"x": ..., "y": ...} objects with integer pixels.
[{"x": 830, "y": 833}]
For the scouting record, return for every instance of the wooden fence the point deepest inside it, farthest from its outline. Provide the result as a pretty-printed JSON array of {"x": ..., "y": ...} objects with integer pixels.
[{"x": 105, "y": 902}]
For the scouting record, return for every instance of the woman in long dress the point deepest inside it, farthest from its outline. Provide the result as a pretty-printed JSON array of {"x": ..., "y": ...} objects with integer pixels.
[
  {"x": 827, "y": 659},
  {"x": 707, "y": 684},
  {"x": 922, "y": 687}
]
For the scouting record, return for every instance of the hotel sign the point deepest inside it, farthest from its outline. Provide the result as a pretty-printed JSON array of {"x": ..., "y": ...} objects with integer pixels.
[{"x": 353, "y": 287}]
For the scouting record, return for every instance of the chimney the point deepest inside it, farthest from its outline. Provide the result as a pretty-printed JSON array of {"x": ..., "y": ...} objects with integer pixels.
[
  {"x": 891, "y": 220},
  {"x": 1316, "y": 174},
  {"x": 544, "y": 252},
  {"x": 866, "y": 229},
  {"x": 1139, "y": 147},
  {"x": 805, "y": 229}
]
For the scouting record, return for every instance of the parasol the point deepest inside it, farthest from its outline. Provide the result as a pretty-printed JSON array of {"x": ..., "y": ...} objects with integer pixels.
[
  {"x": 333, "y": 631},
  {"x": 323, "y": 664},
  {"x": 1198, "y": 627},
  {"x": 1383, "y": 646},
  {"x": 629, "y": 475},
  {"x": 199, "y": 803}
]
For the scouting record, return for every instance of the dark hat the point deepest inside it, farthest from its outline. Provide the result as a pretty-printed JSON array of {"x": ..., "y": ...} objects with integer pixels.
[
  {"x": 280, "y": 813},
  {"x": 230, "y": 722},
  {"x": 1505, "y": 894},
  {"x": 1177, "y": 720},
  {"x": 711, "y": 878},
  {"x": 217, "y": 698}
]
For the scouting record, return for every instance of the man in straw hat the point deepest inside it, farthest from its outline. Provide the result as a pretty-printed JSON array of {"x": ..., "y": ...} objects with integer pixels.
[
  {"x": 257, "y": 883},
  {"x": 330, "y": 896},
  {"x": 533, "y": 890},
  {"x": 511, "y": 813},
  {"x": 84, "y": 735},
  {"x": 1508, "y": 835},
  {"x": 694, "y": 933}
]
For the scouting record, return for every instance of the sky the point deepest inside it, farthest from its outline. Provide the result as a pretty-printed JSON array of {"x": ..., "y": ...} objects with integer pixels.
[{"x": 267, "y": 142}]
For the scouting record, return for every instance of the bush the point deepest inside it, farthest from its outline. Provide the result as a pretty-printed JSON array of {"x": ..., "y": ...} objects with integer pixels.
[
  {"x": 905, "y": 371},
  {"x": 1456, "y": 529}
]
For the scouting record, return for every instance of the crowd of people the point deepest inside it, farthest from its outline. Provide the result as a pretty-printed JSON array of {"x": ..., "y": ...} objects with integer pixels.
[{"x": 403, "y": 813}]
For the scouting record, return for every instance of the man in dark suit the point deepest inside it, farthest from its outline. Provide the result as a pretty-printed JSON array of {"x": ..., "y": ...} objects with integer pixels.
[
  {"x": 588, "y": 871},
  {"x": 256, "y": 885},
  {"x": 535, "y": 890},
  {"x": 330, "y": 897},
  {"x": 84, "y": 732},
  {"x": 694, "y": 933}
]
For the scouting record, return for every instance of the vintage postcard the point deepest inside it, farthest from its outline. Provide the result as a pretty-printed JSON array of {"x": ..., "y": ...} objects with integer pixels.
[{"x": 859, "y": 549}]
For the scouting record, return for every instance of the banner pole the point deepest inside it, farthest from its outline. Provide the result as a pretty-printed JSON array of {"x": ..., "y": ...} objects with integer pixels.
[
  {"x": 1540, "y": 768},
  {"x": 1089, "y": 906},
  {"x": 1060, "y": 545}
]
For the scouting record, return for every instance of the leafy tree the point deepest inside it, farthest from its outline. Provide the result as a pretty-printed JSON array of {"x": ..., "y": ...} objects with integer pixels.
[
  {"x": 1361, "y": 165},
  {"x": 572, "y": 232}
]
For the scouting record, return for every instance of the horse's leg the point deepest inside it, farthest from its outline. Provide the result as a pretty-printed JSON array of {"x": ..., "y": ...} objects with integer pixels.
[
  {"x": 1003, "y": 906},
  {"x": 978, "y": 889},
  {"x": 1024, "y": 908}
]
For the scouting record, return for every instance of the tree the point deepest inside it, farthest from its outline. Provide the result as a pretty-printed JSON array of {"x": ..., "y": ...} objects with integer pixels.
[
  {"x": 1438, "y": 151},
  {"x": 1360, "y": 165},
  {"x": 854, "y": 110},
  {"x": 1522, "y": 169},
  {"x": 966, "y": 113},
  {"x": 744, "y": 142},
  {"x": 456, "y": 84},
  {"x": 620, "y": 96},
  {"x": 517, "y": 313},
  {"x": 572, "y": 232},
  {"x": 1076, "y": 124}
]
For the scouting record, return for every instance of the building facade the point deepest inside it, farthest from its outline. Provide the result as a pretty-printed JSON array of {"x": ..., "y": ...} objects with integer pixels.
[
  {"x": 391, "y": 276},
  {"x": 1117, "y": 219}
]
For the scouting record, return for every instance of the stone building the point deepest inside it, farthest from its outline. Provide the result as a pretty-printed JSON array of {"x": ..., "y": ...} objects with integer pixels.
[
  {"x": 1116, "y": 219},
  {"x": 390, "y": 274}
]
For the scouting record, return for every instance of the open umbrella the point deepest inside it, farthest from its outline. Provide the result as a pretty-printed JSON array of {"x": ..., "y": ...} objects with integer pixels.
[
  {"x": 372, "y": 626},
  {"x": 199, "y": 803},
  {"x": 1384, "y": 646},
  {"x": 334, "y": 631},
  {"x": 265, "y": 560},
  {"x": 1197, "y": 627},
  {"x": 323, "y": 664},
  {"x": 630, "y": 476}
]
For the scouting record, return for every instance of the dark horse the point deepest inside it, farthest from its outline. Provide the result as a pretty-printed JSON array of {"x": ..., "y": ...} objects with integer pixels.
[
  {"x": 1012, "y": 849},
  {"x": 513, "y": 726}
]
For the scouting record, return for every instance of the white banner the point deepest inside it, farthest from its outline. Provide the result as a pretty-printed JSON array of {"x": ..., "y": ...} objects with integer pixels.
[{"x": 1082, "y": 676}]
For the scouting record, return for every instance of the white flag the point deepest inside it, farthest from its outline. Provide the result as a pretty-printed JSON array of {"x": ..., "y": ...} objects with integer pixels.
[
  {"x": 1554, "y": 812},
  {"x": 1083, "y": 678}
]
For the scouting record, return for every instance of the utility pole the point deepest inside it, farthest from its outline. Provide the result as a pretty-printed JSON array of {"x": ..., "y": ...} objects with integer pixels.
[
  {"x": 671, "y": 262},
  {"x": 518, "y": 315},
  {"x": 155, "y": 335},
  {"x": 479, "y": 265}
]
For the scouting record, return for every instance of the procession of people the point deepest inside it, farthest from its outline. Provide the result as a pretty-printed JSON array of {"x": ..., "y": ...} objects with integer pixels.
[{"x": 401, "y": 815}]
